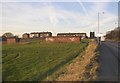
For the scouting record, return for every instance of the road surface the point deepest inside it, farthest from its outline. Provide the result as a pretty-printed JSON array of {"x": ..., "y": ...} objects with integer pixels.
[{"x": 108, "y": 61}]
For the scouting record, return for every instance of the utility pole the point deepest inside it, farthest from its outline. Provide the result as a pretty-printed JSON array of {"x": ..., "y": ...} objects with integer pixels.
[
  {"x": 99, "y": 36},
  {"x": 98, "y": 22}
]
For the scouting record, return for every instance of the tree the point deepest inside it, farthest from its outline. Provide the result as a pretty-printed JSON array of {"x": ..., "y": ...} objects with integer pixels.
[
  {"x": 8, "y": 34},
  {"x": 114, "y": 34}
]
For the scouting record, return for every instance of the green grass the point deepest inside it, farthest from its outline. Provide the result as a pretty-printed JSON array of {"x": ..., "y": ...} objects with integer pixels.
[{"x": 36, "y": 60}]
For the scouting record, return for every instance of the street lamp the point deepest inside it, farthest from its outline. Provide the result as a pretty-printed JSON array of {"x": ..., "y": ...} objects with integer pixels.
[
  {"x": 98, "y": 20},
  {"x": 99, "y": 35}
]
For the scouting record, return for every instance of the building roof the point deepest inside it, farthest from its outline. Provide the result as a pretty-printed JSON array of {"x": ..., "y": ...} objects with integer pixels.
[
  {"x": 26, "y": 34},
  {"x": 69, "y": 33},
  {"x": 11, "y": 37},
  {"x": 39, "y": 32}
]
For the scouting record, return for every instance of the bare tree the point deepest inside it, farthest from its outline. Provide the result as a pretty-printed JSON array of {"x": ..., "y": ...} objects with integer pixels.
[{"x": 8, "y": 34}]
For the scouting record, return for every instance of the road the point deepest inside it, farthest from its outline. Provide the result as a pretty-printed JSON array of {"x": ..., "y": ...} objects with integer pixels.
[{"x": 108, "y": 61}]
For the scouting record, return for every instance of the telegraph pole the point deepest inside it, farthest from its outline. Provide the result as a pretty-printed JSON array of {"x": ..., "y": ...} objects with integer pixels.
[
  {"x": 99, "y": 37},
  {"x": 98, "y": 22}
]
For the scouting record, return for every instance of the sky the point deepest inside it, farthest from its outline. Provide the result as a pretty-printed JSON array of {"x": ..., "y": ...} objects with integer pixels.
[{"x": 25, "y": 17}]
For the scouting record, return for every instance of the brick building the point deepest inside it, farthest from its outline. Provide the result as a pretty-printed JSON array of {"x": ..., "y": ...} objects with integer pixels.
[
  {"x": 12, "y": 40},
  {"x": 40, "y": 34},
  {"x": 82, "y": 35}
]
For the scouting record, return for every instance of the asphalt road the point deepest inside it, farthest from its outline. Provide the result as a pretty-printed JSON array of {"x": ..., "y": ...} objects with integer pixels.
[{"x": 109, "y": 61}]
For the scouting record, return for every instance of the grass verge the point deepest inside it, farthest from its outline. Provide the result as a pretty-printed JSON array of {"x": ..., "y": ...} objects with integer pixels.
[{"x": 76, "y": 70}]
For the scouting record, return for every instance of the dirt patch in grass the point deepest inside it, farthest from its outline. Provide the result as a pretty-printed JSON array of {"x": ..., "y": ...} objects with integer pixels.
[{"x": 83, "y": 67}]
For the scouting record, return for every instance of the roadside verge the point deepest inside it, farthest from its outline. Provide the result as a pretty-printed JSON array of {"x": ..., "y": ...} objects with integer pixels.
[{"x": 82, "y": 68}]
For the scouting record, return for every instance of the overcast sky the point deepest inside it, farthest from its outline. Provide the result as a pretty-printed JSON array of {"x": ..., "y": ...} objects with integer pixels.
[{"x": 20, "y": 17}]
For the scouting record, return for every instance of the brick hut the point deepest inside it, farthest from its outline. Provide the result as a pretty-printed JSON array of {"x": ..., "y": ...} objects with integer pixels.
[{"x": 12, "y": 40}]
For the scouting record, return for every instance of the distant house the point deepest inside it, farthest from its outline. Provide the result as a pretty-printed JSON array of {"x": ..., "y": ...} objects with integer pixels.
[
  {"x": 26, "y": 35},
  {"x": 82, "y": 35},
  {"x": 34, "y": 35},
  {"x": 40, "y": 34},
  {"x": 12, "y": 40}
]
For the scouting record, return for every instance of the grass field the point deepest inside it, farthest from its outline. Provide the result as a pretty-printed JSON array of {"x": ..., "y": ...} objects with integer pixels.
[{"x": 36, "y": 60}]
